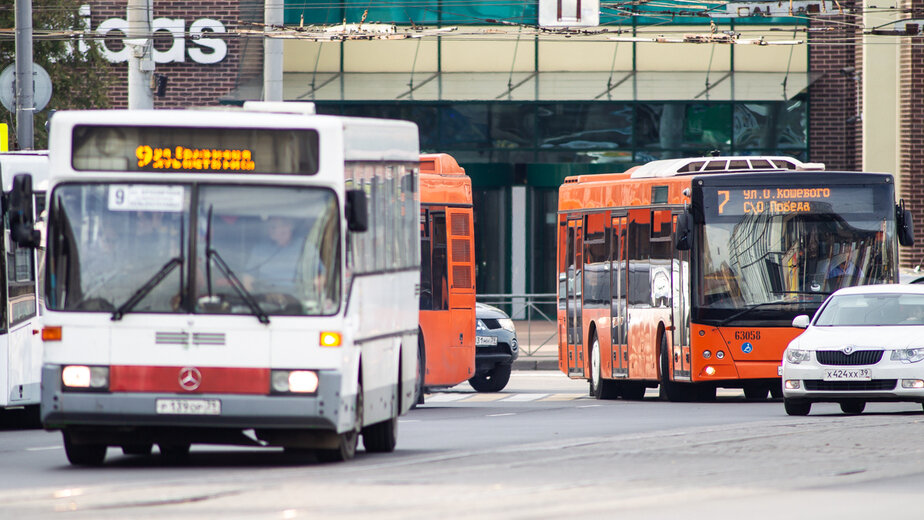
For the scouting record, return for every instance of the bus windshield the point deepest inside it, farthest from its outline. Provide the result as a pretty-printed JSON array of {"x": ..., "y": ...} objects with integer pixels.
[
  {"x": 277, "y": 248},
  {"x": 792, "y": 258}
]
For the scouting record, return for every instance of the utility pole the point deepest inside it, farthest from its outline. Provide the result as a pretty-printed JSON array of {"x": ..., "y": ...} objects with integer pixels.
[
  {"x": 273, "y": 16},
  {"x": 140, "y": 61},
  {"x": 25, "y": 99}
]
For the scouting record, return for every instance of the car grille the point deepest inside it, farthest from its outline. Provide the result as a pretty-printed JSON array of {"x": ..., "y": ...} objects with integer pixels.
[
  {"x": 500, "y": 348},
  {"x": 491, "y": 323},
  {"x": 860, "y": 357},
  {"x": 850, "y": 386}
]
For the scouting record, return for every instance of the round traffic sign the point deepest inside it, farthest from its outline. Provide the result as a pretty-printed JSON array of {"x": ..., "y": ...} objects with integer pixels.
[{"x": 41, "y": 82}]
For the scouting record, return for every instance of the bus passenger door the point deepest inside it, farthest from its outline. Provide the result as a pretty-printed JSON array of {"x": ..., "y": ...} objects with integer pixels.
[
  {"x": 680, "y": 307},
  {"x": 462, "y": 290},
  {"x": 618, "y": 297},
  {"x": 574, "y": 315}
]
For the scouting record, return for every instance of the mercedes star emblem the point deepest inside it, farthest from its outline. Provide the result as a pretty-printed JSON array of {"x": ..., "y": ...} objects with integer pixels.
[{"x": 190, "y": 378}]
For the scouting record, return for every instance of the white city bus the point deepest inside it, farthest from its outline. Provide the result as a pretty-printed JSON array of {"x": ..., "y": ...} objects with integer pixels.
[
  {"x": 231, "y": 277},
  {"x": 20, "y": 346}
]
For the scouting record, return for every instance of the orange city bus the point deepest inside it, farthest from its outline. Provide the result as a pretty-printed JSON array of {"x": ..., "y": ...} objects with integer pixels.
[
  {"x": 686, "y": 273},
  {"x": 447, "y": 273}
]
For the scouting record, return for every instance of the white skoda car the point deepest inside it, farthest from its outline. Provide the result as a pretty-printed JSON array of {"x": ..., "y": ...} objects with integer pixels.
[{"x": 864, "y": 344}]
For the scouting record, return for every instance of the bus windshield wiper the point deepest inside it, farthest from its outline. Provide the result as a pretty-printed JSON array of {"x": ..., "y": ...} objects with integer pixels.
[
  {"x": 237, "y": 285},
  {"x": 242, "y": 291},
  {"x": 755, "y": 306},
  {"x": 148, "y": 286}
]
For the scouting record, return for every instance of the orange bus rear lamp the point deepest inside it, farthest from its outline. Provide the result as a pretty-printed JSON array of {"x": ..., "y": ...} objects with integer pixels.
[{"x": 710, "y": 371}]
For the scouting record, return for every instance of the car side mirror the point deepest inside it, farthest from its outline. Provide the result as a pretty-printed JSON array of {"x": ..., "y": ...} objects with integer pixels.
[
  {"x": 22, "y": 212},
  {"x": 357, "y": 210},
  {"x": 684, "y": 236},
  {"x": 801, "y": 321}
]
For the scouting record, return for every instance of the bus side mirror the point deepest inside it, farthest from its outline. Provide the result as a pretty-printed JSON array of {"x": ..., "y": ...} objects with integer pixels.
[
  {"x": 357, "y": 210},
  {"x": 22, "y": 212},
  {"x": 684, "y": 235},
  {"x": 905, "y": 224},
  {"x": 801, "y": 321}
]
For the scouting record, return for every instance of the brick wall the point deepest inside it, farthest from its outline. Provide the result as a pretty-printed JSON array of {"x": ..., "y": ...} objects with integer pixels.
[
  {"x": 191, "y": 83},
  {"x": 911, "y": 114},
  {"x": 835, "y": 136}
]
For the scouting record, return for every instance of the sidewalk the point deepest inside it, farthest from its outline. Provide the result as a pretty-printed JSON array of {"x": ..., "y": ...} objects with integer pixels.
[{"x": 538, "y": 340}]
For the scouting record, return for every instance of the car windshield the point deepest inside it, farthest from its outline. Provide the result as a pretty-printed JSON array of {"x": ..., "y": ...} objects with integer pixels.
[
  {"x": 852, "y": 310},
  {"x": 257, "y": 249}
]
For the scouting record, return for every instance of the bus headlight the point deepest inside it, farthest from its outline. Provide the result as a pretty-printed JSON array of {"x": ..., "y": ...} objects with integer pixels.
[
  {"x": 294, "y": 381},
  {"x": 85, "y": 378},
  {"x": 796, "y": 356}
]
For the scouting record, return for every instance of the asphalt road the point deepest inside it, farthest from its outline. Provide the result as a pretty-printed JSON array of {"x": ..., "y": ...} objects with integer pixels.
[{"x": 540, "y": 449}]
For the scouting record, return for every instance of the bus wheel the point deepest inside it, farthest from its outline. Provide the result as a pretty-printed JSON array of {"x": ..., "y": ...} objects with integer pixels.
[
  {"x": 704, "y": 392},
  {"x": 421, "y": 370},
  {"x": 853, "y": 407},
  {"x": 493, "y": 380},
  {"x": 797, "y": 407},
  {"x": 755, "y": 391},
  {"x": 346, "y": 441},
  {"x": 381, "y": 437},
  {"x": 633, "y": 390},
  {"x": 83, "y": 454},
  {"x": 669, "y": 390},
  {"x": 174, "y": 453},
  {"x": 143, "y": 448},
  {"x": 600, "y": 388}
]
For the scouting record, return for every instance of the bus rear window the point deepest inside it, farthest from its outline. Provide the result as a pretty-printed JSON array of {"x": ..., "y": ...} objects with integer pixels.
[{"x": 194, "y": 150}]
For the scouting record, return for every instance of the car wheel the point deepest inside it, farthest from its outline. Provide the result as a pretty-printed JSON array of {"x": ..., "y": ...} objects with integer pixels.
[
  {"x": 668, "y": 390},
  {"x": 493, "y": 381},
  {"x": 83, "y": 454},
  {"x": 600, "y": 388},
  {"x": 853, "y": 407},
  {"x": 797, "y": 406}
]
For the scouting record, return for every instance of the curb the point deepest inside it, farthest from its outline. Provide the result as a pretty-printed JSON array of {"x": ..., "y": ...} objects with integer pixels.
[{"x": 532, "y": 363}]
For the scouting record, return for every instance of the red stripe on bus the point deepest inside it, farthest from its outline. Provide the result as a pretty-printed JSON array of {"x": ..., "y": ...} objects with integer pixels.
[{"x": 184, "y": 380}]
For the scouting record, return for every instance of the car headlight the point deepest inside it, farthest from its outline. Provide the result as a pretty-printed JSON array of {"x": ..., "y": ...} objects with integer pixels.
[
  {"x": 507, "y": 324},
  {"x": 479, "y": 325},
  {"x": 796, "y": 356},
  {"x": 908, "y": 355}
]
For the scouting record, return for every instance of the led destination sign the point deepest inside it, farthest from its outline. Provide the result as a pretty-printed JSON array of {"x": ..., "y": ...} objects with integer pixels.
[
  {"x": 195, "y": 150},
  {"x": 785, "y": 200},
  {"x": 181, "y": 158}
]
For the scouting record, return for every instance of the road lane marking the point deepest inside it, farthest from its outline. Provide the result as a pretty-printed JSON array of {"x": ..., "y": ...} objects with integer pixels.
[
  {"x": 499, "y": 414},
  {"x": 484, "y": 398},
  {"x": 446, "y": 398},
  {"x": 43, "y": 448},
  {"x": 563, "y": 397},
  {"x": 522, "y": 398}
]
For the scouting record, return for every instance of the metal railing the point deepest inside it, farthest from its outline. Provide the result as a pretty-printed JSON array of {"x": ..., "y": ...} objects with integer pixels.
[{"x": 527, "y": 308}]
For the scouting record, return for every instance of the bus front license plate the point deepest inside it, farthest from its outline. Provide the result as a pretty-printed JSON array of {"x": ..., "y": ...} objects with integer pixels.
[
  {"x": 486, "y": 340},
  {"x": 848, "y": 374},
  {"x": 189, "y": 406}
]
